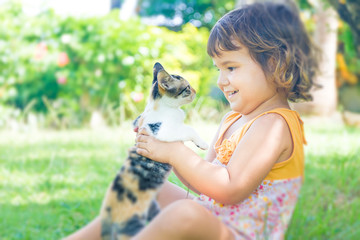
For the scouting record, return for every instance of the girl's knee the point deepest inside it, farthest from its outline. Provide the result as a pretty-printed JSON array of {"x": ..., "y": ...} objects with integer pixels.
[
  {"x": 186, "y": 208},
  {"x": 186, "y": 214}
]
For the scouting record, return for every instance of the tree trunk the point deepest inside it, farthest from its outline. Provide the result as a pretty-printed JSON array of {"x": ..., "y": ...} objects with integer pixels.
[
  {"x": 128, "y": 9},
  {"x": 325, "y": 99}
]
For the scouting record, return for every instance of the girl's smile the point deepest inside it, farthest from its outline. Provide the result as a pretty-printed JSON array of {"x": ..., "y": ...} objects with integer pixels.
[{"x": 232, "y": 93}]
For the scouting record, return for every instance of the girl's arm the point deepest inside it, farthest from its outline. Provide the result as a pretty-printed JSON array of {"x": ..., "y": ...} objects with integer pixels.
[
  {"x": 187, "y": 184},
  {"x": 266, "y": 140},
  {"x": 210, "y": 156}
]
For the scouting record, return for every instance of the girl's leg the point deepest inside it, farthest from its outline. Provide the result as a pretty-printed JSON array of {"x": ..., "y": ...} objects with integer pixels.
[
  {"x": 168, "y": 193},
  {"x": 185, "y": 219}
]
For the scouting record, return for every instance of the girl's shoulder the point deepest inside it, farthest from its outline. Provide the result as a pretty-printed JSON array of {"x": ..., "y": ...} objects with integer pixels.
[
  {"x": 230, "y": 116},
  {"x": 287, "y": 119},
  {"x": 287, "y": 116}
]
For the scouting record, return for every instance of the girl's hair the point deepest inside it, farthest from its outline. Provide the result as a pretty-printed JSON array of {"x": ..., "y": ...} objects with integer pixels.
[{"x": 276, "y": 39}]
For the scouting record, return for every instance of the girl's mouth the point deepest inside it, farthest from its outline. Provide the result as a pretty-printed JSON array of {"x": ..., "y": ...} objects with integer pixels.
[{"x": 233, "y": 93}]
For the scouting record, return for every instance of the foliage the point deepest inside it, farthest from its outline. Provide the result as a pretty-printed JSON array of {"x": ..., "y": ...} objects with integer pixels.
[
  {"x": 348, "y": 11},
  {"x": 72, "y": 66},
  {"x": 348, "y": 63},
  {"x": 348, "y": 70},
  {"x": 52, "y": 183},
  {"x": 199, "y": 12}
]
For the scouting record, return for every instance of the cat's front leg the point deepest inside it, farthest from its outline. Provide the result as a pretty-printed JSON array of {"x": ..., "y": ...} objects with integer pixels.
[
  {"x": 182, "y": 133},
  {"x": 191, "y": 135},
  {"x": 136, "y": 123},
  {"x": 199, "y": 142}
]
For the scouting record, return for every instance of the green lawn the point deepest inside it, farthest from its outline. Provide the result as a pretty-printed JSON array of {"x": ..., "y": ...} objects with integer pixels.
[{"x": 52, "y": 183}]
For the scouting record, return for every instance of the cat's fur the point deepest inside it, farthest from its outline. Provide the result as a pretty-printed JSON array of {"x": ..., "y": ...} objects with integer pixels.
[{"x": 130, "y": 200}]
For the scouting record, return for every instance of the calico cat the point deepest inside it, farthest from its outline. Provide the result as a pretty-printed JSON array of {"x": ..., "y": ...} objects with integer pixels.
[{"x": 130, "y": 201}]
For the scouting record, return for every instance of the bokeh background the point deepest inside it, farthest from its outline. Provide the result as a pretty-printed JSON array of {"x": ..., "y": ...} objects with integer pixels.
[
  {"x": 65, "y": 63},
  {"x": 74, "y": 74}
]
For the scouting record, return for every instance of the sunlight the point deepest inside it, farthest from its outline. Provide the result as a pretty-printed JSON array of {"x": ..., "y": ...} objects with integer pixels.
[{"x": 78, "y": 8}]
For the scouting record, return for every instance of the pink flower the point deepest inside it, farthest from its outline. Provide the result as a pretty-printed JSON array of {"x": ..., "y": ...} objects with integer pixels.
[
  {"x": 61, "y": 80},
  {"x": 63, "y": 59},
  {"x": 137, "y": 96},
  {"x": 40, "y": 51}
]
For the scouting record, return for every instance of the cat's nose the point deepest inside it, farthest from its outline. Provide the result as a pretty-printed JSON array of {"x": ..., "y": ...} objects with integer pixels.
[
  {"x": 158, "y": 67},
  {"x": 193, "y": 97}
]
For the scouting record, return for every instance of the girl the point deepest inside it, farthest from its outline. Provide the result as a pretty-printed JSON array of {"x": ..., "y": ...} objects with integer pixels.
[{"x": 250, "y": 179}]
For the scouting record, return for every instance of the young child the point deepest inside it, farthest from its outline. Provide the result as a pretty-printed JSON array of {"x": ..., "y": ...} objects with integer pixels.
[{"x": 251, "y": 177}]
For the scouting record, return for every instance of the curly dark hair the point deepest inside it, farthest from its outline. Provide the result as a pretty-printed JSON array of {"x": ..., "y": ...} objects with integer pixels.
[{"x": 276, "y": 39}]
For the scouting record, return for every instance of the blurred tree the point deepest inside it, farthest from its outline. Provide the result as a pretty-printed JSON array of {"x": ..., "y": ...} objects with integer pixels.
[
  {"x": 175, "y": 13},
  {"x": 349, "y": 11},
  {"x": 198, "y": 12}
]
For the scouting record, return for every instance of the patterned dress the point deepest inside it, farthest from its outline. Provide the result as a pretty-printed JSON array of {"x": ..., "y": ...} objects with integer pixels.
[{"x": 266, "y": 213}]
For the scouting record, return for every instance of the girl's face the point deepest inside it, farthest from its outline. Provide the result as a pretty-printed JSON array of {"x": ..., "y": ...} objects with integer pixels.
[{"x": 243, "y": 81}]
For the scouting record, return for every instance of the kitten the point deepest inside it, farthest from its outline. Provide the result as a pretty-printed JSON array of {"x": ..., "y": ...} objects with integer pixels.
[{"x": 130, "y": 201}]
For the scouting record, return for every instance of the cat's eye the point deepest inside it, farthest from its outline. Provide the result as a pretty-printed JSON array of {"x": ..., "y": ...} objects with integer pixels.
[{"x": 186, "y": 91}]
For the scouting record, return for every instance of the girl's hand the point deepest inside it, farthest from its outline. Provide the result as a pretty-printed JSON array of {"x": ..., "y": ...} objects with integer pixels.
[{"x": 159, "y": 151}]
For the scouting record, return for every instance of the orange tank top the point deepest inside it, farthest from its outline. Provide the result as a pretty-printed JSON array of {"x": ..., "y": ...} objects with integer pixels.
[{"x": 290, "y": 168}]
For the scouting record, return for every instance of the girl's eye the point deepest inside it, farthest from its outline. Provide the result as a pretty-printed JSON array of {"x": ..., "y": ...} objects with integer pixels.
[{"x": 231, "y": 69}]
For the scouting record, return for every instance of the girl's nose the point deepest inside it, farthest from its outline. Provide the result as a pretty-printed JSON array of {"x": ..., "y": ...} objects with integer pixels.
[{"x": 222, "y": 80}]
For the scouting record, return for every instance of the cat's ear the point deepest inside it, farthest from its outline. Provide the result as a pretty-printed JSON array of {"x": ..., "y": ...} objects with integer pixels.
[{"x": 165, "y": 81}]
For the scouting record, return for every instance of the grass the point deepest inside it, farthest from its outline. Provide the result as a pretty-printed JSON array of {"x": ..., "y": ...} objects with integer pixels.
[
  {"x": 329, "y": 204},
  {"x": 52, "y": 183}
]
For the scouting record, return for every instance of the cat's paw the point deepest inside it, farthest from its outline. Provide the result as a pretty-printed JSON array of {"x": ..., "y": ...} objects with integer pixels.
[{"x": 202, "y": 145}]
